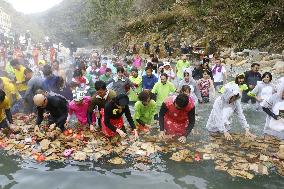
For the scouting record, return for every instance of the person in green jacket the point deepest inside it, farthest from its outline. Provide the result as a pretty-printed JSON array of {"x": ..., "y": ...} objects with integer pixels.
[
  {"x": 136, "y": 79},
  {"x": 105, "y": 77},
  {"x": 10, "y": 70},
  {"x": 145, "y": 110},
  {"x": 162, "y": 89},
  {"x": 181, "y": 65},
  {"x": 240, "y": 81}
]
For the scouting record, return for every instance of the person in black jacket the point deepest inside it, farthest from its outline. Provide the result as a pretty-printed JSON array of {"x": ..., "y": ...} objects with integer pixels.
[
  {"x": 251, "y": 79},
  {"x": 112, "y": 118},
  {"x": 56, "y": 106}
]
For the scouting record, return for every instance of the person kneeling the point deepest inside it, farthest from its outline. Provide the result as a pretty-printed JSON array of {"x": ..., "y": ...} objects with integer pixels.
[
  {"x": 5, "y": 110},
  {"x": 112, "y": 119},
  {"x": 56, "y": 106},
  {"x": 177, "y": 117},
  {"x": 274, "y": 107},
  {"x": 223, "y": 108},
  {"x": 79, "y": 106},
  {"x": 145, "y": 110}
]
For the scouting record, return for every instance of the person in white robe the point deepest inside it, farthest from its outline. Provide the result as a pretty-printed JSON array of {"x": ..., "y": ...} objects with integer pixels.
[
  {"x": 274, "y": 107},
  {"x": 224, "y": 107}
]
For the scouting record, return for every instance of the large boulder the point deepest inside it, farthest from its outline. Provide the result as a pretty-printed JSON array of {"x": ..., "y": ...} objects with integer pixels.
[
  {"x": 240, "y": 53},
  {"x": 266, "y": 58},
  {"x": 268, "y": 63},
  {"x": 229, "y": 61},
  {"x": 226, "y": 53},
  {"x": 241, "y": 63},
  {"x": 279, "y": 67},
  {"x": 265, "y": 69},
  {"x": 233, "y": 55},
  {"x": 239, "y": 58}
]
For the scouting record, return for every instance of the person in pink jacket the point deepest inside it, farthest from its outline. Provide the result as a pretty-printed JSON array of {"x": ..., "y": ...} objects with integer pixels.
[
  {"x": 79, "y": 107},
  {"x": 137, "y": 61}
]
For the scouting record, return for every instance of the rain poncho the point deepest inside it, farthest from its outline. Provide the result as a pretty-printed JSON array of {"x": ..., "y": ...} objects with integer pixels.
[
  {"x": 263, "y": 90},
  {"x": 219, "y": 119},
  {"x": 276, "y": 105}
]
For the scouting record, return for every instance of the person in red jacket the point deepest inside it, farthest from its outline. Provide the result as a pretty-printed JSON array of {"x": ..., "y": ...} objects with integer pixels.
[{"x": 177, "y": 117}]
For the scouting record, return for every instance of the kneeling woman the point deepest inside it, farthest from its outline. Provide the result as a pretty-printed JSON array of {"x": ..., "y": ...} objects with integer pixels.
[
  {"x": 112, "y": 117},
  {"x": 177, "y": 117},
  {"x": 274, "y": 107},
  {"x": 223, "y": 108},
  {"x": 145, "y": 110}
]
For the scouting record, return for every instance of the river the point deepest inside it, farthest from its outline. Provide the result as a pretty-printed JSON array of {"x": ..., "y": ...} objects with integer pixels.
[{"x": 16, "y": 173}]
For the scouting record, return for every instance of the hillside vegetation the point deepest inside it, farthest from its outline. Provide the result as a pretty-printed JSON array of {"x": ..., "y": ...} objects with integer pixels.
[{"x": 238, "y": 24}]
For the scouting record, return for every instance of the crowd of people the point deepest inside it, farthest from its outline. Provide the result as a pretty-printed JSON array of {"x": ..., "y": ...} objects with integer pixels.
[{"x": 102, "y": 89}]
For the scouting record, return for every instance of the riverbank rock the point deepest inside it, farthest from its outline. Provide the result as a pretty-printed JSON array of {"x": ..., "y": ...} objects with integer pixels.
[
  {"x": 279, "y": 67},
  {"x": 229, "y": 61},
  {"x": 276, "y": 56},
  {"x": 117, "y": 161},
  {"x": 242, "y": 62}
]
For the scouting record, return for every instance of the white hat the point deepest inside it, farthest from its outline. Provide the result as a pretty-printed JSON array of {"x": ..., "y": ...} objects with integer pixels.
[
  {"x": 78, "y": 95},
  {"x": 167, "y": 64}
]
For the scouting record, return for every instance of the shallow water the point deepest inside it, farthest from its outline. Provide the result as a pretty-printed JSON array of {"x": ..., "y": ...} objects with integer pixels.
[{"x": 163, "y": 173}]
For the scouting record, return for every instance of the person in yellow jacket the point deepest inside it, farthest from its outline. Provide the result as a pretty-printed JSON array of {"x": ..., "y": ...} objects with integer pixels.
[
  {"x": 10, "y": 89},
  {"x": 20, "y": 78},
  {"x": 5, "y": 113}
]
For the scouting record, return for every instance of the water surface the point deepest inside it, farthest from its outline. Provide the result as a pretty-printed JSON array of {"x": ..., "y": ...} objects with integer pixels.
[{"x": 16, "y": 173}]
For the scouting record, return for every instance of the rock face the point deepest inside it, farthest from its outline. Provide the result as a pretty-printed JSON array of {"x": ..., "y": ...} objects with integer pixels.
[
  {"x": 273, "y": 63},
  {"x": 279, "y": 67}
]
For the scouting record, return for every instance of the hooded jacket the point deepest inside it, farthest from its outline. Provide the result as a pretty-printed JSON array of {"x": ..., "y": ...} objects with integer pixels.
[
  {"x": 263, "y": 90},
  {"x": 275, "y": 105},
  {"x": 219, "y": 119}
]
